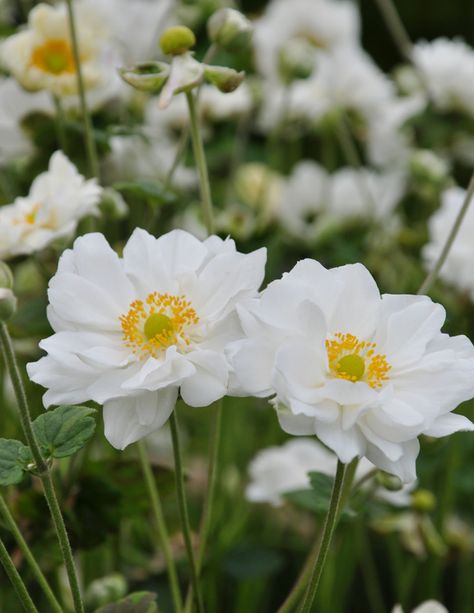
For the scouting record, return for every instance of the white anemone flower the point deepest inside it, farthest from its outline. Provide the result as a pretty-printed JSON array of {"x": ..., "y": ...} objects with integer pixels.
[
  {"x": 57, "y": 200},
  {"x": 429, "y": 606},
  {"x": 367, "y": 373},
  {"x": 458, "y": 269},
  {"x": 131, "y": 332},
  {"x": 276, "y": 471},
  {"x": 40, "y": 57}
]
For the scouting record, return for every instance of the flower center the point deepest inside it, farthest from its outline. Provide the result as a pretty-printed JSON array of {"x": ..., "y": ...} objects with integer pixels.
[
  {"x": 153, "y": 325},
  {"x": 355, "y": 360},
  {"x": 55, "y": 57}
]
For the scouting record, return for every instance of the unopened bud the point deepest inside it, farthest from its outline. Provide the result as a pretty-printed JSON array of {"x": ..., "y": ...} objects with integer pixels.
[
  {"x": 7, "y": 304},
  {"x": 106, "y": 589},
  {"x": 297, "y": 60},
  {"x": 177, "y": 40},
  {"x": 147, "y": 76},
  {"x": 388, "y": 481},
  {"x": 229, "y": 29},
  {"x": 6, "y": 277},
  {"x": 225, "y": 79},
  {"x": 423, "y": 500}
]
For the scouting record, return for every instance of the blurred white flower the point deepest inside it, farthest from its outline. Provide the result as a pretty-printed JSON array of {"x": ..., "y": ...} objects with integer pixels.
[
  {"x": 57, "y": 200},
  {"x": 366, "y": 373},
  {"x": 131, "y": 332},
  {"x": 429, "y": 606},
  {"x": 448, "y": 70},
  {"x": 458, "y": 270}
]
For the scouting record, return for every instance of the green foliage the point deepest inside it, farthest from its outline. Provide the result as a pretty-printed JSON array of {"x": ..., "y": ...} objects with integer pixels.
[
  {"x": 150, "y": 191},
  {"x": 14, "y": 459},
  {"x": 139, "y": 602}
]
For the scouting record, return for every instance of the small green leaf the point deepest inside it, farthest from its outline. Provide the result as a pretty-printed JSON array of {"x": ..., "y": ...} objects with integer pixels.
[
  {"x": 63, "y": 431},
  {"x": 14, "y": 458},
  {"x": 139, "y": 602},
  {"x": 150, "y": 191}
]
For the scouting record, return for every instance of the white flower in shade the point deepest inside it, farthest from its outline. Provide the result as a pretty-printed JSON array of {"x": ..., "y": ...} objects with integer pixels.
[
  {"x": 366, "y": 373},
  {"x": 458, "y": 269},
  {"x": 41, "y": 57},
  {"x": 275, "y": 471},
  {"x": 57, "y": 200},
  {"x": 448, "y": 69},
  {"x": 324, "y": 24},
  {"x": 131, "y": 332},
  {"x": 429, "y": 606}
]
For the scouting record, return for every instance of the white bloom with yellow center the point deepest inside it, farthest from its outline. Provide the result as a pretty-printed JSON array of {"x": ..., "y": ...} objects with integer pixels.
[
  {"x": 41, "y": 56},
  {"x": 57, "y": 200},
  {"x": 366, "y": 373},
  {"x": 131, "y": 332}
]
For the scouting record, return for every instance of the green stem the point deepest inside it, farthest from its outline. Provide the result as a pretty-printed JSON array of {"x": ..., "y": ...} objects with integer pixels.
[
  {"x": 183, "y": 510},
  {"x": 200, "y": 160},
  {"x": 86, "y": 118},
  {"x": 60, "y": 122},
  {"x": 327, "y": 533},
  {"x": 42, "y": 467},
  {"x": 161, "y": 525},
  {"x": 431, "y": 278},
  {"x": 23, "y": 545},
  {"x": 16, "y": 580}
]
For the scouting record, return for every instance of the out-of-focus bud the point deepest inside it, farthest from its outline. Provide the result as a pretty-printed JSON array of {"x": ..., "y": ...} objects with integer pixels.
[
  {"x": 112, "y": 204},
  {"x": 259, "y": 186},
  {"x": 423, "y": 500},
  {"x": 296, "y": 60},
  {"x": 230, "y": 29},
  {"x": 104, "y": 590},
  {"x": 7, "y": 304},
  {"x": 388, "y": 481},
  {"x": 147, "y": 76},
  {"x": 186, "y": 73},
  {"x": 225, "y": 79},
  {"x": 407, "y": 80},
  {"x": 6, "y": 277},
  {"x": 427, "y": 165},
  {"x": 177, "y": 40}
]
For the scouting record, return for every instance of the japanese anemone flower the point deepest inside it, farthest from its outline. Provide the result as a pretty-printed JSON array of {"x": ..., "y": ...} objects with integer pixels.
[
  {"x": 57, "y": 200},
  {"x": 131, "y": 332},
  {"x": 367, "y": 373}
]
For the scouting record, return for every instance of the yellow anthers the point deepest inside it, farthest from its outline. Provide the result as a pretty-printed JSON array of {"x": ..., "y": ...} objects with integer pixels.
[
  {"x": 153, "y": 325},
  {"x": 55, "y": 57},
  {"x": 355, "y": 360}
]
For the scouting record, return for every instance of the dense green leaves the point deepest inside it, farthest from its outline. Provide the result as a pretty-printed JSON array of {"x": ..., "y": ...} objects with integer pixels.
[
  {"x": 139, "y": 602},
  {"x": 14, "y": 459}
]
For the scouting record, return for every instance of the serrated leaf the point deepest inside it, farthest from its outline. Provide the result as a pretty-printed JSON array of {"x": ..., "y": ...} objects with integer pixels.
[
  {"x": 63, "y": 431},
  {"x": 139, "y": 602},
  {"x": 14, "y": 458}
]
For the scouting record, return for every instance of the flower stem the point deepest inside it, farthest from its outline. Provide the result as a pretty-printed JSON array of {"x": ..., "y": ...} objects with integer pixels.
[
  {"x": 200, "y": 159},
  {"x": 183, "y": 510},
  {"x": 16, "y": 580},
  {"x": 327, "y": 533},
  {"x": 161, "y": 525},
  {"x": 42, "y": 467},
  {"x": 59, "y": 122},
  {"x": 431, "y": 278},
  {"x": 86, "y": 118},
  {"x": 23, "y": 545}
]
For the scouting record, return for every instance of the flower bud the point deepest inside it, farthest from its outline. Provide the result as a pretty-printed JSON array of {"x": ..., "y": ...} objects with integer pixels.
[
  {"x": 106, "y": 589},
  {"x": 177, "y": 40},
  {"x": 7, "y": 304},
  {"x": 225, "y": 79},
  {"x": 147, "y": 76},
  {"x": 388, "y": 481},
  {"x": 229, "y": 29},
  {"x": 423, "y": 500},
  {"x": 6, "y": 277},
  {"x": 297, "y": 60}
]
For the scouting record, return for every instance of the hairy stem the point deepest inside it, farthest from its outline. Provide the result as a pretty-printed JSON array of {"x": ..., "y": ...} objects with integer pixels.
[{"x": 16, "y": 580}]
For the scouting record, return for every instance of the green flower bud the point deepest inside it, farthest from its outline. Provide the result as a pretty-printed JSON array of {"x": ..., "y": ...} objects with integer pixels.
[
  {"x": 6, "y": 277},
  {"x": 423, "y": 500},
  {"x": 225, "y": 79},
  {"x": 388, "y": 481},
  {"x": 147, "y": 76},
  {"x": 296, "y": 60},
  {"x": 106, "y": 589},
  {"x": 7, "y": 304},
  {"x": 230, "y": 29},
  {"x": 177, "y": 40}
]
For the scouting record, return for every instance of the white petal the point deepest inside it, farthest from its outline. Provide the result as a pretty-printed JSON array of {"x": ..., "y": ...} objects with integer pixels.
[
  {"x": 253, "y": 362},
  {"x": 346, "y": 444},
  {"x": 405, "y": 467},
  {"x": 449, "y": 423},
  {"x": 209, "y": 382},
  {"x": 295, "y": 424}
]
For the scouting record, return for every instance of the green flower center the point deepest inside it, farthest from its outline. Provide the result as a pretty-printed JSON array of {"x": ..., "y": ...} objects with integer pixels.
[
  {"x": 352, "y": 365},
  {"x": 158, "y": 323}
]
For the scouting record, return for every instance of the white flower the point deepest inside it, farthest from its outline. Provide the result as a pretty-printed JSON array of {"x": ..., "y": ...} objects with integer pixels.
[
  {"x": 366, "y": 373},
  {"x": 57, "y": 200},
  {"x": 448, "y": 69},
  {"x": 325, "y": 24},
  {"x": 458, "y": 270},
  {"x": 130, "y": 332},
  {"x": 41, "y": 57},
  {"x": 275, "y": 471},
  {"x": 429, "y": 606}
]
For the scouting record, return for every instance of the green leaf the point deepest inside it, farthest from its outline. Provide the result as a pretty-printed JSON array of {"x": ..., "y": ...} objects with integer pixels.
[
  {"x": 150, "y": 191},
  {"x": 139, "y": 602},
  {"x": 14, "y": 458},
  {"x": 63, "y": 431},
  {"x": 317, "y": 498}
]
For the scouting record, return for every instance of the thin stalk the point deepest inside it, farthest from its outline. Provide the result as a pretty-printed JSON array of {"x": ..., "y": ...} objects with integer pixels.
[
  {"x": 200, "y": 159},
  {"x": 303, "y": 579},
  {"x": 183, "y": 510},
  {"x": 59, "y": 123},
  {"x": 23, "y": 545},
  {"x": 161, "y": 525},
  {"x": 431, "y": 277},
  {"x": 86, "y": 118},
  {"x": 42, "y": 467},
  {"x": 326, "y": 538},
  {"x": 16, "y": 580}
]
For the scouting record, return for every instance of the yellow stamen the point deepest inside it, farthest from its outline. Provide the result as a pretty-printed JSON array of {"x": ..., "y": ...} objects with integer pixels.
[{"x": 54, "y": 56}]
